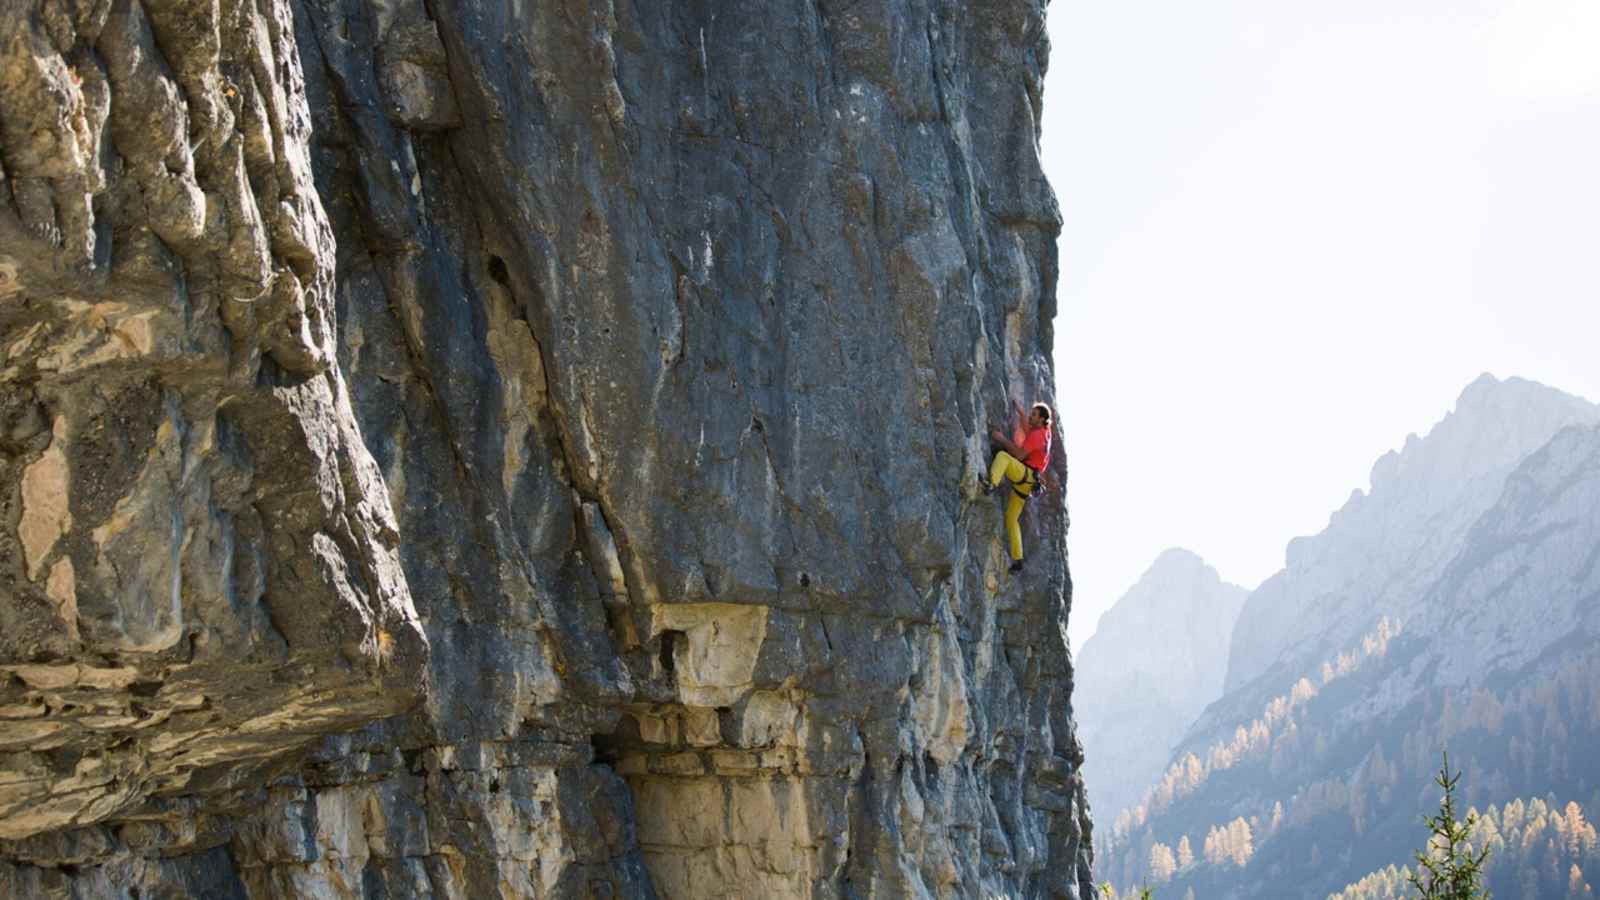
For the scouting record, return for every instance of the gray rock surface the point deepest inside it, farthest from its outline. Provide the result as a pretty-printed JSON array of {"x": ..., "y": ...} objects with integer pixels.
[
  {"x": 528, "y": 450},
  {"x": 1156, "y": 659}
]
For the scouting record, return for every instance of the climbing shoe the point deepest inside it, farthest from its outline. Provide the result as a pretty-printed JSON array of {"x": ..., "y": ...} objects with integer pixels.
[{"x": 1016, "y": 566}]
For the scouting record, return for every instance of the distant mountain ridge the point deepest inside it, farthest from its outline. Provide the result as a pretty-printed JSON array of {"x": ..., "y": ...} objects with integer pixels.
[
  {"x": 1537, "y": 550},
  {"x": 1157, "y": 657},
  {"x": 1455, "y": 605},
  {"x": 1385, "y": 546}
]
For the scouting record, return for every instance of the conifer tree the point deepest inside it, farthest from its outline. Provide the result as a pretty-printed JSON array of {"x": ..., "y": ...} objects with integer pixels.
[
  {"x": 1162, "y": 863},
  {"x": 1448, "y": 867}
]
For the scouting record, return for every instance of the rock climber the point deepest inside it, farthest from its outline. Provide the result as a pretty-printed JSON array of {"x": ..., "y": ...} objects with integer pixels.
[{"x": 1022, "y": 465}]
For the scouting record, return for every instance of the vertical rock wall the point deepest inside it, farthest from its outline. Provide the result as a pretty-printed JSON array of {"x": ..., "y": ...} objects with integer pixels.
[{"x": 526, "y": 450}]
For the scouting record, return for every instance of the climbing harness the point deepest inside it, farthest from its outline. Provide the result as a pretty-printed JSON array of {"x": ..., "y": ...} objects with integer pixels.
[{"x": 1032, "y": 478}]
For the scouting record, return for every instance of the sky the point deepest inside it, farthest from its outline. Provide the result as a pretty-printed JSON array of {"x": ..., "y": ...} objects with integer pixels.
[{"x": 1293, "y": 233}]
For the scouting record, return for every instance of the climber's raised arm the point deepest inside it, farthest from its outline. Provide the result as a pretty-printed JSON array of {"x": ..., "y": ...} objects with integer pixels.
[{"x": 1005, "y": 442}]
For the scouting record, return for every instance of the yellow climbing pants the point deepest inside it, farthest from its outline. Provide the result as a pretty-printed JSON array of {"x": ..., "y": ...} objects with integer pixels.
[{"x": 1022, "y": 481}]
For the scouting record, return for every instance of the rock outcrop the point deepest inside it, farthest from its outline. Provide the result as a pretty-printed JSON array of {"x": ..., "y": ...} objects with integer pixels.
[
  {"x": 525, "y": 450},
  {"x": 1156, "y": 659}
]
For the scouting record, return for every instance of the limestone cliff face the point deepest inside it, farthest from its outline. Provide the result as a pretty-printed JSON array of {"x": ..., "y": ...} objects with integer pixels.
[{"x": 525, "y": 450}]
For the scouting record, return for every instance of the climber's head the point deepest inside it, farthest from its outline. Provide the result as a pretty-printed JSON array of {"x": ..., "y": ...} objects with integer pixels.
[{"x": 1039, "y": 416}]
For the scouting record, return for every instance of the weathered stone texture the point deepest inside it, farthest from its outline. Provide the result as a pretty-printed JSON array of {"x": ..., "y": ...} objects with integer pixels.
[
  {"x": 525, "y": 450},
  {"x": 199, "y": 567}
]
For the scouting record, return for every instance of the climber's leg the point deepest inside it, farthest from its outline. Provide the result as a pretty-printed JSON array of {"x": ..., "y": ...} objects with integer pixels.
[
  {"x": 1014, "y": 505},
  {"x": 1006, "y": 466}
]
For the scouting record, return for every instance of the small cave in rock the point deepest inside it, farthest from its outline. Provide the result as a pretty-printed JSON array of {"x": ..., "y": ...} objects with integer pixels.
[
  {"x": 501, "y": 275},
  {"x": 499, "y": 272},
  {"x": 268, "y": 375},
  {"x": 144, "y": 688},
  {"x": 669, "y": 644},
  {"x": 413, "y": 760},
  {"x": 728, "y": 727},
  {"x": 610, "y": 748},
  {"x": 610, "y": 615}
]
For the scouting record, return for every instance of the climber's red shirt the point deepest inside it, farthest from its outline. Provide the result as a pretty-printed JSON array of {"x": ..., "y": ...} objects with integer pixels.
[{"x": 1036, "y": 449}]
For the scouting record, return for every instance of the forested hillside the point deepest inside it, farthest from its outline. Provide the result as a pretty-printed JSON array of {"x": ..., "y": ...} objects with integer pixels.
[
  {"x": 1537, "y": 848},
  {"x": 1310, "y": 802},
  {"x": 1310, "y": 779}
]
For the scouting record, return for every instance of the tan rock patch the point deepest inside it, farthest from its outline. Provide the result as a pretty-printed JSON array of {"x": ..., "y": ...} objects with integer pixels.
[
  {"x": 10, "y": 282},
  {"x": 715, "y": 665},
  {"x": 62, "y": 589},
  {"x": 45, "y": 517},
  {"x": 28, "y": 733}
]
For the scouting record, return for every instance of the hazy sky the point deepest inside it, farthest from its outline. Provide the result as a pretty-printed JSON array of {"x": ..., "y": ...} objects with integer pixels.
[{"x": 1294, "y": 232}]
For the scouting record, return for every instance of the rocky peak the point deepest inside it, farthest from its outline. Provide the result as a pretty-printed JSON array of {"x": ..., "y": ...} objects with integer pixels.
[
  {"x": 1494, "y": 424},
  {"x": 1526, "y": 580},
  {"x": 1383, "y": 548},
  {"x": 1156, "y": 659},
  {"x": 1175, "y": 619}
]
